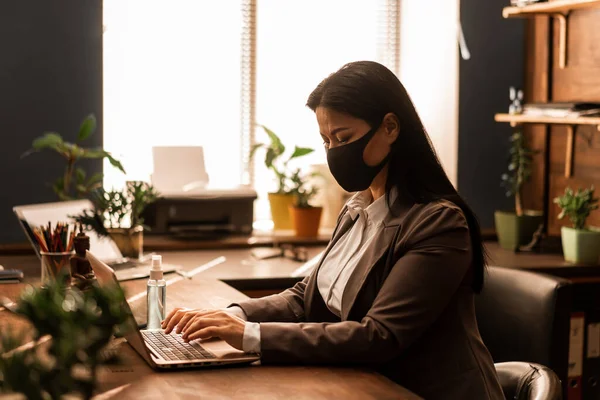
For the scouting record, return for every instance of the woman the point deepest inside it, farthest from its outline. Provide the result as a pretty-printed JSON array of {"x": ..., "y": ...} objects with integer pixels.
[{"x": 394, "y": 289}]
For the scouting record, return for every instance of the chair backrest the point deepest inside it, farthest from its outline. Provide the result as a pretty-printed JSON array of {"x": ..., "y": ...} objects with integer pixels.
[
  {"x": 528, "y": 381},
  {"x": 525, "y": 316}
]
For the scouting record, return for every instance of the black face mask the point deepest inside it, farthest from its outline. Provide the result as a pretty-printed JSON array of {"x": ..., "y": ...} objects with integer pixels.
[{"x": 348, "y": 167}]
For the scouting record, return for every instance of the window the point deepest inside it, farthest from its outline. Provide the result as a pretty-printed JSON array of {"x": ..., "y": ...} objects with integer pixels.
[
  {"x": 429, "y": 71},
  {"x": 172, "y": 77},
  {"x": 298, "y": 45}
]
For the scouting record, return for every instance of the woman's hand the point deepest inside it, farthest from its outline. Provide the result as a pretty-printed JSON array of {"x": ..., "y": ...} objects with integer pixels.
[
  {"x": 178, "y": 318},
  {"x": 204, "y": 324}
]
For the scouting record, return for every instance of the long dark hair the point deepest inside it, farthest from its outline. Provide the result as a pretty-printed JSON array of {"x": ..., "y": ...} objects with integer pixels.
[{"x": 368, "y": 91}]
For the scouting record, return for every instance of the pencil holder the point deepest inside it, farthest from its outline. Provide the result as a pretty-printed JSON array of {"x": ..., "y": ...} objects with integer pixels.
[{"x": 53, "y": 264}]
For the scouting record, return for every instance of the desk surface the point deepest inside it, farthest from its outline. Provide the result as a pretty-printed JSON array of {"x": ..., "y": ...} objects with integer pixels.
[
  {"x": 135, "y": 379},
  {"x": 174, "y": 243},
  {"x": 239, "y": 270},
  {"x": 247, "y": 274},
  {"x": 552, "y": 264}
]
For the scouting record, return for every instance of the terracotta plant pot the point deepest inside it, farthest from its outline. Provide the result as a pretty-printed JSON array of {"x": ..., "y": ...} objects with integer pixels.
[
  {"x": 306, "y": 221},
  {"x": 514, "y": 231},
  {"x": 580, "y": 246},
  {"x": 129, "y": 241},
  {"x": 280, "y": 214}
]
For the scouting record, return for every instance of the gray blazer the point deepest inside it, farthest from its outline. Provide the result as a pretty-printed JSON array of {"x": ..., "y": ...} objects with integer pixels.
[{"x": 407, "y": 309}]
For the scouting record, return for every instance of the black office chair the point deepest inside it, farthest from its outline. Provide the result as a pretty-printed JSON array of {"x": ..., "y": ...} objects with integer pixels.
[
  {"x": 528, "y": 381},
  {"x": 525, "y": 316}
]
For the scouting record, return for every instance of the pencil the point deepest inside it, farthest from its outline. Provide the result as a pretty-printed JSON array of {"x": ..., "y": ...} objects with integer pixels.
[
  {"x": 40, "y": 240},
  {"x": 70, "y": 246}
]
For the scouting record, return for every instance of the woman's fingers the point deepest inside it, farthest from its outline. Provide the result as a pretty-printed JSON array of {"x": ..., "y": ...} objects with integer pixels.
[
  {"x": 217, "y": 324},
  {"x": 175, "y": 318},
  {"x": 205, "y": 333},
  {"x": 199, "y": 323},
  {"x": 189, "y": 321},
  {"x": 170, "y": 315},
  {"x": 167, "y": 320},
  {"x": 184, "y": 320}
]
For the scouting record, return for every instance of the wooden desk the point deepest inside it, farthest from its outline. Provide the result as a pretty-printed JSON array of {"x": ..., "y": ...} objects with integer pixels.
[
  {"x": 135, "y": 379},
  {"x": 164, "y": 243},
  {"x": 240, "y": 270}
]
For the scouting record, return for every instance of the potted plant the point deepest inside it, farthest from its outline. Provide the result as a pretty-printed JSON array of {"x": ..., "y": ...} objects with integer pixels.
[
  {"x": 81, "y": 325},
  {"x": 118, "y": 213},
  {"x": 274, "y": 160},
  {"x": 75, "y": 184},
  {"x": 580, "y": 244},
  {"x": 305, "y": 217},
  {"x": 515, "y": 229}
]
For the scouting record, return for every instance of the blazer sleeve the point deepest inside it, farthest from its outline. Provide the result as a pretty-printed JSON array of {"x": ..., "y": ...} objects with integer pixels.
[
  {"x": 287, "y": 306},
  {"x": 417, "y": 290}
]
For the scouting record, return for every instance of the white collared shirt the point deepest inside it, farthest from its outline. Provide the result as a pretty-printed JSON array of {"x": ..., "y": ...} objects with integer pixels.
[{"x": 340, "y": 262}]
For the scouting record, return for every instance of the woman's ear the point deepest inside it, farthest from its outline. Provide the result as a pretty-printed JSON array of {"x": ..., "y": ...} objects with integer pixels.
[{"x": 391, "y": 126}]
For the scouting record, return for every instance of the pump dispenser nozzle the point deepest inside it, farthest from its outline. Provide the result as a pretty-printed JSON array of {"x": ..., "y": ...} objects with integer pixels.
[{"x": 156, "y": 271}]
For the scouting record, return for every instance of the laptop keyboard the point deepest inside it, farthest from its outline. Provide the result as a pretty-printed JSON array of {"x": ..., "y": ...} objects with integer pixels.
[{"x": 173, "y": 348}]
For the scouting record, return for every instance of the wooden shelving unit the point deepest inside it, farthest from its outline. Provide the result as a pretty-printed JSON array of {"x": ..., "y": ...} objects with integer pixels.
[
  {"x": 570, "y": 123},
  {"x": 558, "y": 9},
  {"x": 550, "y": 7},
  {"x": 517, "y": 119}
]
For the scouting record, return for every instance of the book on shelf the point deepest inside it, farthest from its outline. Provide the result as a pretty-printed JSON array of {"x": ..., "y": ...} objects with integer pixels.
[
  {"x": 562, "y": 110},
  {"x": 523, "y": 3}
]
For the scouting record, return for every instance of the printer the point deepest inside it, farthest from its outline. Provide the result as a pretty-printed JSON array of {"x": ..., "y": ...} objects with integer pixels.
[
  {"x": 208, "y": 214},
  {"x": 187, "y": 206}
]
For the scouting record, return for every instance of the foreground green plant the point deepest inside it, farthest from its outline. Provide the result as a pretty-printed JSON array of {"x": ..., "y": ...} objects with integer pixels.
[{"x": 80, "y": 325}]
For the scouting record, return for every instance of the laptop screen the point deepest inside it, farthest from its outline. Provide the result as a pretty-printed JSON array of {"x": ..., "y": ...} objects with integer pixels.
[{"x": 35, "y": 215}]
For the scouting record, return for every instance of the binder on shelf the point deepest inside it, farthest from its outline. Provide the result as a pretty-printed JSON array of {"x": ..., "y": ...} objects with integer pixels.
[
  {"x": 576, "y": 346},
  {"x": 591, "y": 363}
]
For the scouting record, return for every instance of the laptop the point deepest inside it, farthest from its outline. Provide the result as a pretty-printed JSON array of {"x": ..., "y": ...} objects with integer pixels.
[
  {"x": 105, "y": 248},
  {"x": 162, "y": 351}
]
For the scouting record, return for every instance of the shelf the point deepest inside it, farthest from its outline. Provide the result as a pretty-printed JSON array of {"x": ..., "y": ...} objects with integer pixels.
[
  {"x": 570, "y": 123},
  {"x": 558, "y": 9},
  {"x": 516, "y": 119},
  {"x": 550, "y": 7}
]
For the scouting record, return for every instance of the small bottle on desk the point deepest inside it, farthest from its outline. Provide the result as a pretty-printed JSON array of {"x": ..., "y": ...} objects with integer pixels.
[{"x": 156, "y": 294}]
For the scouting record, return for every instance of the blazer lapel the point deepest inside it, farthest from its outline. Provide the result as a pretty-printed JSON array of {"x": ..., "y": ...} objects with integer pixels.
[
  {"x": 377, "y": 248},
  {"x": 345, "y": 223}
]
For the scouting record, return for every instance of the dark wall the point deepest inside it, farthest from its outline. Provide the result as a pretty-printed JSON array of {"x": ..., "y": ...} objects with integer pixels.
[
  {"x": 497, "y": 63},
  {"x": 50, "y": 79}
]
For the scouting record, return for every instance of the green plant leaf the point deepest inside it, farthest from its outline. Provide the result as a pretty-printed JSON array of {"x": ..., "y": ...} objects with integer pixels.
[
  {"x": 115, "y": 163},
  {"x": 276, "y": 143},
  {"x": 254, "y": 149},
  {"x": 301, "y": 151},
  {"x": 88, "y": 126},
  {"x": 270, "y": 157},
  {"x": 96, "y": 178},
  {"x": 81, "y": 189},
  {"x": 50, "y": 140},
  {"x": 94, "y": 153},
  {"x": 74, "y": 151},
  {"x": 577, "y": 205},
  {"x": 80, "y": 175},
  {"x": 100, "y": 153}
]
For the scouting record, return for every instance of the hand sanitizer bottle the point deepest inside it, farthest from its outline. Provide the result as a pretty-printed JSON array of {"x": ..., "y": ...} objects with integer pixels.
[{"x": 157, "y": 294}]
